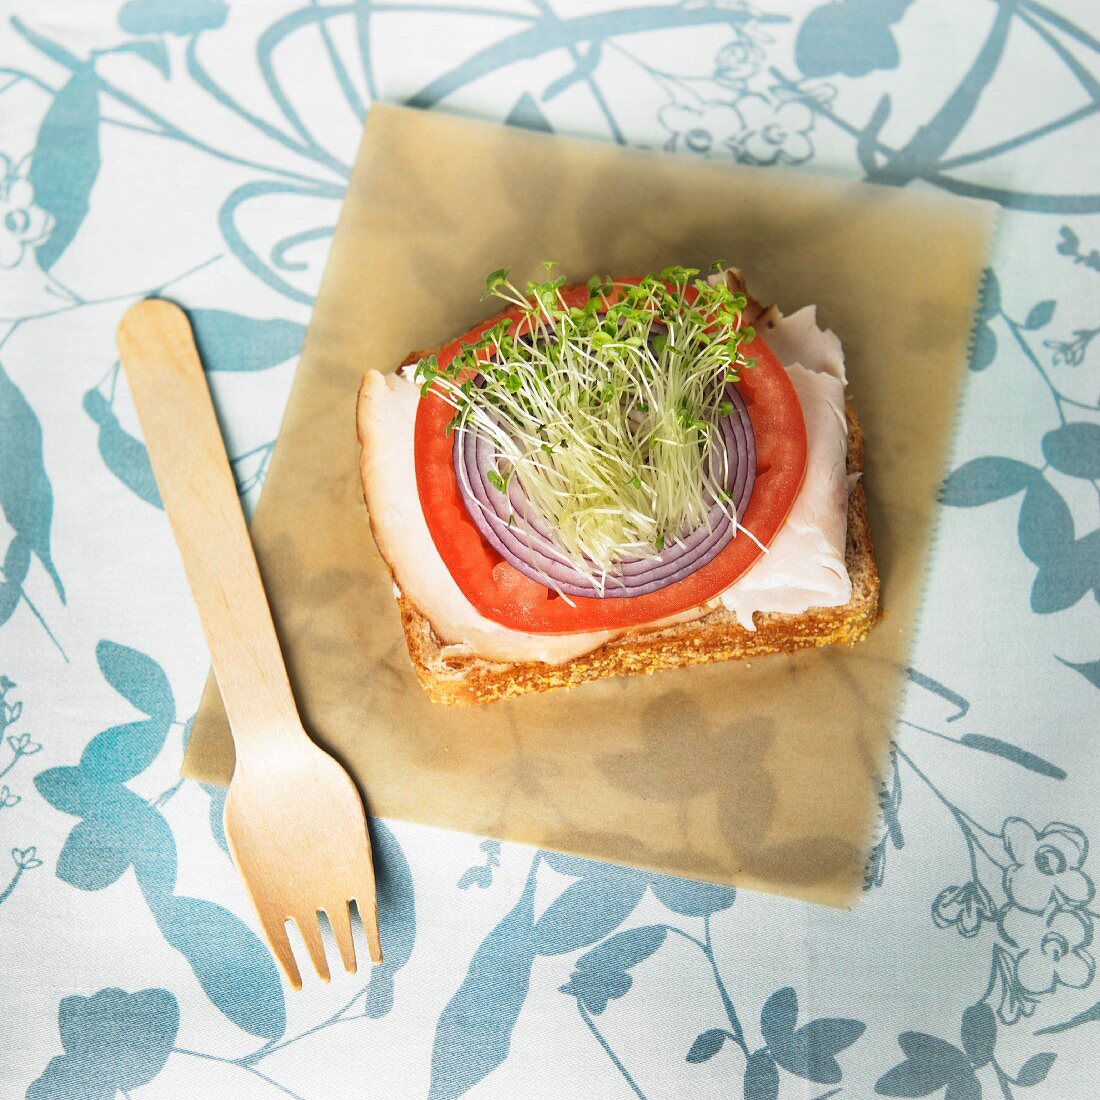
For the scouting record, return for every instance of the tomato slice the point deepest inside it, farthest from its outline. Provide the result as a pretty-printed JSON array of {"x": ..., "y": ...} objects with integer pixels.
[{"x": 501, "y": 593}]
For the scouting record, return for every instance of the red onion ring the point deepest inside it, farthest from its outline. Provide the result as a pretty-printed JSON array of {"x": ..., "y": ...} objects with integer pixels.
[{"x": 528, "y": 544}]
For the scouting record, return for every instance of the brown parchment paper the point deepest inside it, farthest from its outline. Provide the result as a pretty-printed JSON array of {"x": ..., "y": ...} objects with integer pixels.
[{"x": 760, "y": 774}]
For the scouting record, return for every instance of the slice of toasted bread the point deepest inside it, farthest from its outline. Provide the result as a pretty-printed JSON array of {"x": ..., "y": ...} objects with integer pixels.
[{"x": 717, "y": 636}]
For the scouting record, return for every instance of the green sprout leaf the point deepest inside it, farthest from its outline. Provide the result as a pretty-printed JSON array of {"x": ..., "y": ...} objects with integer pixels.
[{"x": 495, "y": 281}]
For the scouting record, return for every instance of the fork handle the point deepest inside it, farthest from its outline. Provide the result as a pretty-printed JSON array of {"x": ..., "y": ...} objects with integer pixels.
[{"x": 185, "y": 444}]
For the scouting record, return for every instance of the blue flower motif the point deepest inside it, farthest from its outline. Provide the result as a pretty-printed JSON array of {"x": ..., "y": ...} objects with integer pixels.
[
  {"x": 26, "y": 859},
  {"x": 852, "y": 37},
  {"x": 172, "y": 16},
  {"x": 112, "y": 1041},
  {"x": 737, "y": 62},
  {"x": 1013, "y": 1001},
  {"x": 709, "y": 130},
  {"x": 775, "y": 133},
  {"x": 1046, "y": 866},
  {"x": 964, "y": 908},
  {"x": 23, "y": 745},
  {"x": 1072, "y": 352},
  {"x": 23, "y": 226},
  {"x": 1053, "y": 948},
  {"x": 26, "y": 289}
]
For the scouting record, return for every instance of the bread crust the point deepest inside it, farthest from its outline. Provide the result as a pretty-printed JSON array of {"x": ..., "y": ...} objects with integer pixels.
[{"x": 464, "y": 680}]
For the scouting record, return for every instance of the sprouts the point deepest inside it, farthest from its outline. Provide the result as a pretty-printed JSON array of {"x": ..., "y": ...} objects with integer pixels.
[{"x": 606, "y": 411}]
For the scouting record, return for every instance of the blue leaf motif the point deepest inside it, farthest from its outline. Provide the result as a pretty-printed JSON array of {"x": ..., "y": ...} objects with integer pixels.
[
  {"x": 983, "y": 480},
  {"x": 125, "y": 456},
  {"x": 692, "y": 899},
  {"x": 396, "y": 914},
  {"x": 119, "y": 830},
  {"x": 122, "y": 752},
  {"x": 26, "y": 497},
  {"x": 234, "y": 968},
  {"x": 66, "y": 160},
  {"x": 1039, "y": 315},
  {"x": 852, "y": 37},
  {"x": 1034, "y": 1071},
  {"x": 172, "y": 16},
  {"x": 965, "y": 1088},
  {"x": 989, "y": 296},
  {"x": 70, "y": 1078},
  {"x": 231, "y": 342},
  {"x": 112, "y": 1041},
  {"x": 707, "y": 1045},
  {"x": 777, "y": 1017},
  {"x": 475, "y": 1030},
  {"x": 996, "y": 747},
  {"x": 137, "y": 678},
  {"x": 1046, "y": 525},
  {"x": 94, "y": 856},
  {"x": 983, "y": 350},
  {"x": 70, "y": 790},
  {"x": 1074, "y": 449},
  {"x": 152, "y": 845},
  {"x": 1089, "y": 669},
  {"x": 811, "y": 1051},
  {"x": 586, "y": 911},
  {"x": 761, "y": 1077},
  {"x": 600, "y": 974},
  {"x": 10, "y": 595},
  {"x": 625, "y": 949},
  {"x": 979, "y": 1033},
  {"x": 929, "y": 1065},
  {"x": 17, "y": 563},
  {"x": 1064, "y": 578}
]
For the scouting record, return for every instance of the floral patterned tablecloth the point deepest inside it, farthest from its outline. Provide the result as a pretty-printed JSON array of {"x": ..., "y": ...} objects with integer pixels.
[{"x": 200, "y": 149}]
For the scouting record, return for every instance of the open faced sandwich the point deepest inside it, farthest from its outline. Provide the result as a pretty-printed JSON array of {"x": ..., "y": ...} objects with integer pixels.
[{"x": 615, "y": 477}]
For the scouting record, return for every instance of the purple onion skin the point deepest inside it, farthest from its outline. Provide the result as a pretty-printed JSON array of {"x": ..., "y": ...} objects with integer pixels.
[{"x": 527, "y": 543}]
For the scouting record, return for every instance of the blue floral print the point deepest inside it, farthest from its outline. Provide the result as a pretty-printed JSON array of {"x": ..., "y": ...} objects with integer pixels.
[
  {"x": 1046, "y": 865},
  {"x": 112, "y": 1041},
  {"x": 964, "y": 908},
  {"x": 1052, "y": 946},
  {"x": 714, "y": 128},
  {"x": 504, "y": 970},
  {"x": 775, "y": 134}
]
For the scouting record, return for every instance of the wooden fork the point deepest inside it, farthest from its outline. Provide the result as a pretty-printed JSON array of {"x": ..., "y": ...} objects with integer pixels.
[{"x": 293, "y": 817}]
